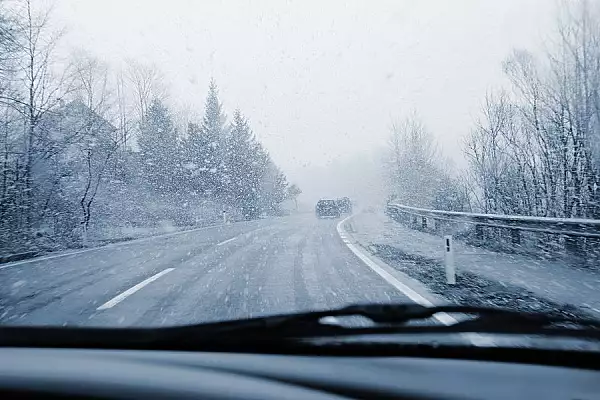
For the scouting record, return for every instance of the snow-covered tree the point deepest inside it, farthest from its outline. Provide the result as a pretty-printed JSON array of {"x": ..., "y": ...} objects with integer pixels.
[
  {"x": 67, "y": 164},
  {"x": 534, "y": 150},
  {"x": 35, "y": 90},
  {"x": 243, "y": 172},
  {"x": 158, "y": 148},
  {"x": 274, "y": 189},
  {"x": 210, "y": 154},
  {"x": 411, "y": 163},
  {"x": 293, "y": 191}
]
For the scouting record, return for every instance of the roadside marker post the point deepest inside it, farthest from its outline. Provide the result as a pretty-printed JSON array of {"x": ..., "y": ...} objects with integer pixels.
[{"x": 449, "y": 260}]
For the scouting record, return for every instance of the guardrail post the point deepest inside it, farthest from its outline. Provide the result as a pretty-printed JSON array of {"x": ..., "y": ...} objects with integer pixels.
[
  {"x": 573, "y": 248},
  {"x": 592, "y": 252},
  {"x": 449, "y": 260},
  {"x": 515, "y": 236},
  {"x": 479, "y": 233}
]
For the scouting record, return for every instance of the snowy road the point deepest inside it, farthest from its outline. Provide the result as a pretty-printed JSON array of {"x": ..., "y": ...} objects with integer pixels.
[{"x": 235, "y": 271}]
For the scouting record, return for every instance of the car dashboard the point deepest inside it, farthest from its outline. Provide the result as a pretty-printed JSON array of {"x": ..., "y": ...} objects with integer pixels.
[{"x": 113, "y": 374}]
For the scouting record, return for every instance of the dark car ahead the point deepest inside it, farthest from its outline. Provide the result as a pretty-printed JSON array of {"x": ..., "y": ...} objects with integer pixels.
[{"x": 327, "y": 208}]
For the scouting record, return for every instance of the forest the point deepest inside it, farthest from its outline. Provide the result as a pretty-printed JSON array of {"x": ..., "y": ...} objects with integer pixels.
[
  {"x": 533, "y": 150},
  {"x": 87, "y": 150}
]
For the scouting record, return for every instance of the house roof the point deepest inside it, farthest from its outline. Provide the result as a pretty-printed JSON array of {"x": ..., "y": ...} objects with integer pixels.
[{"x": 77, "y": 108}]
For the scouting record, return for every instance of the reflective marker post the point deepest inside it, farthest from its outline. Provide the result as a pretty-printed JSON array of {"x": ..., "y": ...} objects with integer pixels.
[{"x": 449, "y": 260}]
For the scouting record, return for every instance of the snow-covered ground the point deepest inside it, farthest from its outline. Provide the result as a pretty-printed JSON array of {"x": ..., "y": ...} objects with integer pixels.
[
  {"x": 554, "y": 281},
  {"x": 122, "y": 233}
]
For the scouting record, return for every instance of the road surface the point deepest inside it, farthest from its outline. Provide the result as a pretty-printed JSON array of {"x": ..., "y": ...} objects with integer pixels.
[{"x": 226, "y": 272}]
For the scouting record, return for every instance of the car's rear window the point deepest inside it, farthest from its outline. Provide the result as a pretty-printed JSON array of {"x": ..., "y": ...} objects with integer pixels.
[{"x": 326, "y": 203}]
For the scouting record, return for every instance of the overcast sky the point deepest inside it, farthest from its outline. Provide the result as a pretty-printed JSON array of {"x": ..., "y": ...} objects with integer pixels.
[{"x": 320, "y": 80}]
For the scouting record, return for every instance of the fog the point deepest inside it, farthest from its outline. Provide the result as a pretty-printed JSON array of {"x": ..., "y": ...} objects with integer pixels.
[{"x": 321, "y": 82}]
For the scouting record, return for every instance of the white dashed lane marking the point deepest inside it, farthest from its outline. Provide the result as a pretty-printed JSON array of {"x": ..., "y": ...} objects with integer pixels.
[{"x": 116, "y": 300}]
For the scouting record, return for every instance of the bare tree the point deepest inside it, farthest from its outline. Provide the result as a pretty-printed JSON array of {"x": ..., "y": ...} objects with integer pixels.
[
  {"x": 97, "y": 159},
  {"x": 100, "y": 140},
  {"x": 91, "y": 83},
  {"x": 8, "y": 57},
  {"x": 413, "y": 173},
  {"x": 145, "y": 81},
  {"x": 38, "y": 90},
  {"x": 535, "y": 152},
  {"x": 9, "y": 49},
  {"x": 293, "y": 191},
  {"x": 494, "y": 157},
  {"x": 123, "y": 116},
  {"x": 576, "y": 73}
]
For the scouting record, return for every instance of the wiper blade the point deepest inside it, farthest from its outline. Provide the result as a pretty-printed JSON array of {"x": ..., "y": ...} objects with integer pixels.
[
  {"x": 288, "y": 328},
  {"x": 392, "y": 318}
]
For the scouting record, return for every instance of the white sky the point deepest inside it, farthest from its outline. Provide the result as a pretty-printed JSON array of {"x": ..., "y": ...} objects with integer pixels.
[{"x": 320, "y": 80}]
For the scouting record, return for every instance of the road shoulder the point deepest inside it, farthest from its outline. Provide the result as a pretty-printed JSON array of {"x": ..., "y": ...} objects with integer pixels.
[
  {"x": 411, "y": 288},
  {"x": 511, "y": 285}
]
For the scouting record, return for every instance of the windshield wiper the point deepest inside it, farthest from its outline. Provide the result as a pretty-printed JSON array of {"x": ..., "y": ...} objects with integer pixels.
[
  {"x": 386, "y": 319},
  {"x": 393, "y": 318}
]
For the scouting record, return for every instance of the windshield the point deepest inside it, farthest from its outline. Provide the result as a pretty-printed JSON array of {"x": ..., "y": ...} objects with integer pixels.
[{"x": 174, "y": 163}]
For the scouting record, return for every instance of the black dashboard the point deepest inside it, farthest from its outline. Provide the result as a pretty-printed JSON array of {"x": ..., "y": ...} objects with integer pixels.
[{"x": 112, "y": 374}]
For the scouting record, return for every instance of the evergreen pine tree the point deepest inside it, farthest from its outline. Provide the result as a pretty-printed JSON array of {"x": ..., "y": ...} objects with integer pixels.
[
  {"x": 158, "y": 148},
  {"x": 210, "y": 144},
  {"x": 243, "y": 171}
]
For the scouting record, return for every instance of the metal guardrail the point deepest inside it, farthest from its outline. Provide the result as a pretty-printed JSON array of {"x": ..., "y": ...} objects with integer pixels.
[{"x": 563, "y": 226}]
